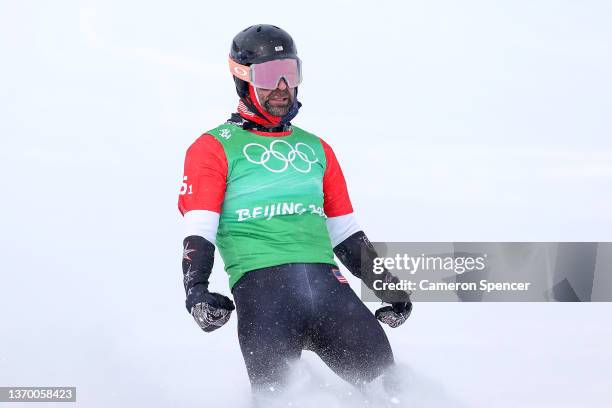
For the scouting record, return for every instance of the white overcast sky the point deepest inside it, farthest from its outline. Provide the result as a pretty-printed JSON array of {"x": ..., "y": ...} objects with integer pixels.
[{"x": 453, "y": 120}]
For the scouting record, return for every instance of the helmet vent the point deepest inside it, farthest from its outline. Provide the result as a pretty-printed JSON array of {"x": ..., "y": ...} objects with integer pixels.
[{"x": 259, "y": 29}]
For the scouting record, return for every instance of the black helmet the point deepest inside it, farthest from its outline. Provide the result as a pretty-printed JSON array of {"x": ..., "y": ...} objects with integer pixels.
[{"x": 260, "y": 43}]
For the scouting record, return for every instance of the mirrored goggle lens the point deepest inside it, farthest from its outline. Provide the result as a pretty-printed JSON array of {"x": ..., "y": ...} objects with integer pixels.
[{"x": 267, "y": 75}]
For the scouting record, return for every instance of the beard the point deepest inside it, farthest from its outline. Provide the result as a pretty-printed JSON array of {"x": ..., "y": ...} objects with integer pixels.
[{"x": 278, "y": 109}]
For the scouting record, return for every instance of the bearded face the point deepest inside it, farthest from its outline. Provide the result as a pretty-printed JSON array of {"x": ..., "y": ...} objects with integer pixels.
[{"x": 277, "y": 101}]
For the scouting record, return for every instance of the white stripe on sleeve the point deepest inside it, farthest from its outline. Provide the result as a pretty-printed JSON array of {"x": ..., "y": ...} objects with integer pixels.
[
  {"x": 341, "y": 227},
  {"x": 201, "y": 222}
]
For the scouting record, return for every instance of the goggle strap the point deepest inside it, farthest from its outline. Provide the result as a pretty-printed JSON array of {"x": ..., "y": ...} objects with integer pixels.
[{"x": 240, "y": 71}]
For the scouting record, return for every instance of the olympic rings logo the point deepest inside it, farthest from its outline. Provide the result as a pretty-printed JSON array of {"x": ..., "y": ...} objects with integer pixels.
[{"x": 277, "y": 159}]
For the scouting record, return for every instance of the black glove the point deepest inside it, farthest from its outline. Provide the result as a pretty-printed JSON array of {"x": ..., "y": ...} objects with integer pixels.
[
  {"x": 394, "y": 315},
  {"x": 358, "y": 254},
  {"x": 210, "y": 310}
]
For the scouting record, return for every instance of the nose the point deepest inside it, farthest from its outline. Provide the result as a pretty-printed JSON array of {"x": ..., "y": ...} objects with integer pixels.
[{"x": 282, "y": 84}]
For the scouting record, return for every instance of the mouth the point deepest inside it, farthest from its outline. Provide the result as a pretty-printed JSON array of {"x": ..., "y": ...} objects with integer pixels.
[{"x": 279, "y": 100}]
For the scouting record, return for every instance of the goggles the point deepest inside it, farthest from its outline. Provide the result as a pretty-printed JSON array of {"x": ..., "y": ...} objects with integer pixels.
[{"x": 268, "y": 74}]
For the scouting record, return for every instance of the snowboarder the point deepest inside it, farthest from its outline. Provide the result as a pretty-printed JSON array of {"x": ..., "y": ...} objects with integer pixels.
[{"x": 273, "y": 199}]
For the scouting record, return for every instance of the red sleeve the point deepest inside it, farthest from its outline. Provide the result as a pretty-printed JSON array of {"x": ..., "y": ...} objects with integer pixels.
[
  {"x": 335, "y": 193},
  {"x": 205, "y": 176}
]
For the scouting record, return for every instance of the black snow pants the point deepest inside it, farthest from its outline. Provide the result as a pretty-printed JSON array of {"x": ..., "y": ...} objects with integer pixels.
[{"x": 285, "y": 309}]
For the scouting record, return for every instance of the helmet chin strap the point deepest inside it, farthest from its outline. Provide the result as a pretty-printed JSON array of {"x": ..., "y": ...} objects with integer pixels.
[{"x": 256, "y": 96}]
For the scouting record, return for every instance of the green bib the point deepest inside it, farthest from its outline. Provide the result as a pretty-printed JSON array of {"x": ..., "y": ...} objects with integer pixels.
[{"x": 272, "y": 213}]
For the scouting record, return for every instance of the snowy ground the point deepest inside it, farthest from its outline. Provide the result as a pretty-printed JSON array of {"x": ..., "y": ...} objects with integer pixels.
[{"x": 479, "y": 120}]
